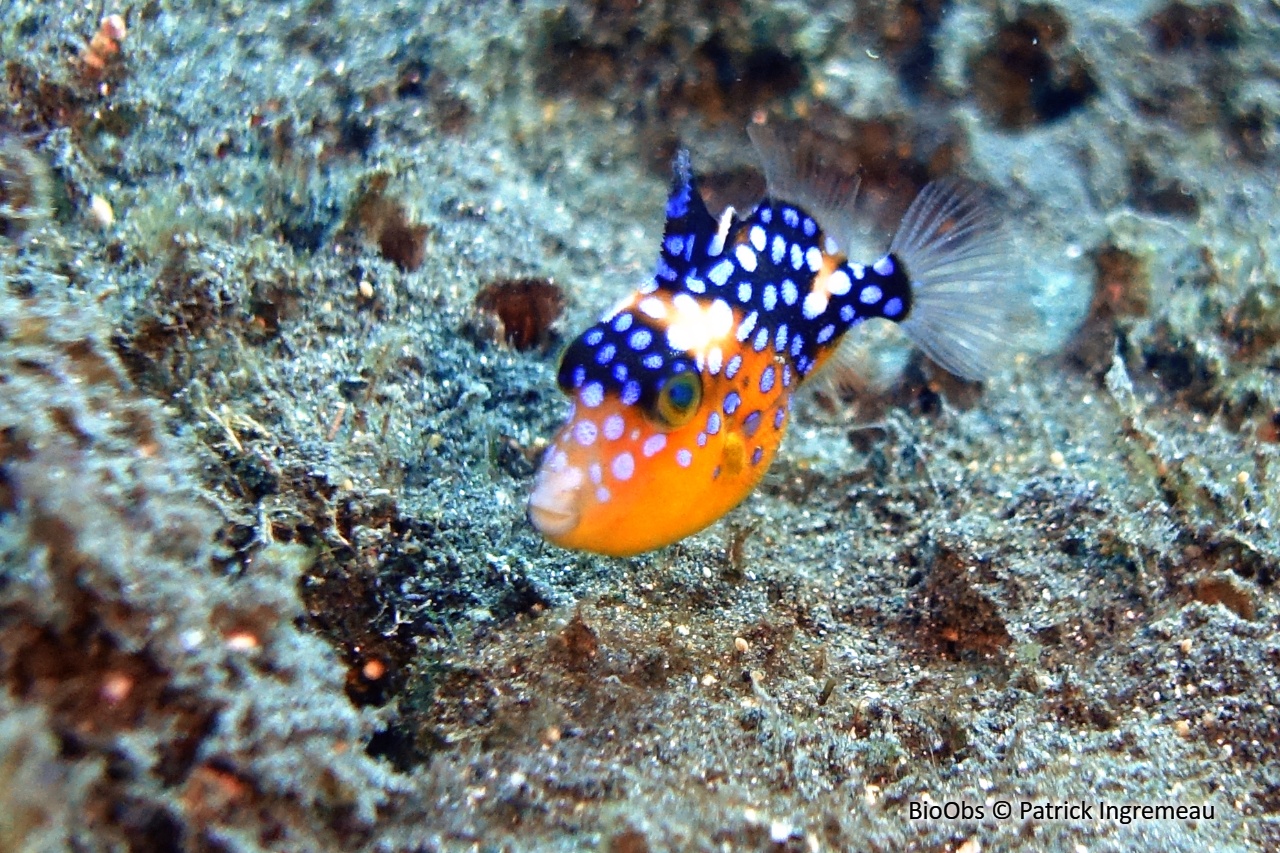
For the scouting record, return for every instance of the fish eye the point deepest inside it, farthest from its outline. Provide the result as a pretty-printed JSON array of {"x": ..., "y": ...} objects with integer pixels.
[{"x": 677, "y": 400}]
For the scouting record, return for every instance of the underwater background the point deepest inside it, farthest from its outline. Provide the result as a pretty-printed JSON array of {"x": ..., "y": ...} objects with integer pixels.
[{"x": 283, "y": 289}]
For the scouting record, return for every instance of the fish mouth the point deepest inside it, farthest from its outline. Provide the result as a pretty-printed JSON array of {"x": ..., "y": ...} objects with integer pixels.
[{"x": 555, "y": 505}]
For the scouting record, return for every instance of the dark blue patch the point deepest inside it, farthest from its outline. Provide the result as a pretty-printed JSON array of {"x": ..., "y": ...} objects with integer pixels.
[{"x": 635, "y": 376}]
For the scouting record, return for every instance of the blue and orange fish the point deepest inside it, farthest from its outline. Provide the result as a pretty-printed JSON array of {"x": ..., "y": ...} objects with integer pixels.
[{"x": 682, "y": 392}]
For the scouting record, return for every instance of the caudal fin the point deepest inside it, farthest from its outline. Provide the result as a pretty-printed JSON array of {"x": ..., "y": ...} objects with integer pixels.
[{"x": 957, "y": 255}]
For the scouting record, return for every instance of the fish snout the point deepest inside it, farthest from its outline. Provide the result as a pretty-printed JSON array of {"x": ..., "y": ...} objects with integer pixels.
[{"x": 555, "y": 505}]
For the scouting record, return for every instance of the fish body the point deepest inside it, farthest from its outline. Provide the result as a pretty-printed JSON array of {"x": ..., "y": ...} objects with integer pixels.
[{"x": 682, "y": 393}]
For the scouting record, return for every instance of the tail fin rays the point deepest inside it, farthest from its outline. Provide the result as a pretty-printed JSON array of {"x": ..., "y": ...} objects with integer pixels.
[{"x": 956, "y": 253}]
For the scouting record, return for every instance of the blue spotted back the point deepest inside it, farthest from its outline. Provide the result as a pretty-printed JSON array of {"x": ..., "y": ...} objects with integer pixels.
[
  {"x": 789, "y": 293},
  {"x": 769, "y": 272}
]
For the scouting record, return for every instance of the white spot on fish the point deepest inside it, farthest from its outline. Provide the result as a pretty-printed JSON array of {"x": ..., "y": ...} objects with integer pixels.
[
  {"x": 592, "y": 395},
  {"x": 653, "y": 307},
  {"x": 780, "y": 340},
  {"x": 715, "y": 360},
  {"x": 814, "y": 258},
  {"x": 825, "y": 333},
  {"x": 720, "y": 319},
  {"x": 893, "y": 307},
  {"x": 815, "y": 303},
  {"x": 613, "y": 427},
  {"x": 770, "y": 297},
  {"x": 653, "y": 444},
  {"x": 735, "y": 364},
  {"x": 716, "y": 246},
  {"x": 684, "y": 458},
  {"x": 766, "y": 380},
  {"x": 720, "y": 272},
  {"x": 789, "y": 292},
  {"x": 778, "y": 249},
  {"x": 585, "y": 433},
  {"x": 884, "y": 266},
  {"x": 745, "y": 327},
  {"x": 758, "y": 237},
  {"x": 694, "y": 327},
  {"x": 838, "y": 283},
  {"x": 622, "y": 323},
  {"x": 870, "y": 295},
  {"x": 624, "y": 465},
  {"x": 744, "y": 292},
  {"x": 746, "y": 257}
]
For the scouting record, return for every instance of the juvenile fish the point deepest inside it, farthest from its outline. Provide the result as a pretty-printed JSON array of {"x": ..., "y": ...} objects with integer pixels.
[{"x": 682, "y": 393}]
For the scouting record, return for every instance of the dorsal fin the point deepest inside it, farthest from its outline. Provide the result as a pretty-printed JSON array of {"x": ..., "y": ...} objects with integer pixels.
[
  {"x": 690, "y": 227},
  {"x": 796, "y": 173}
]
